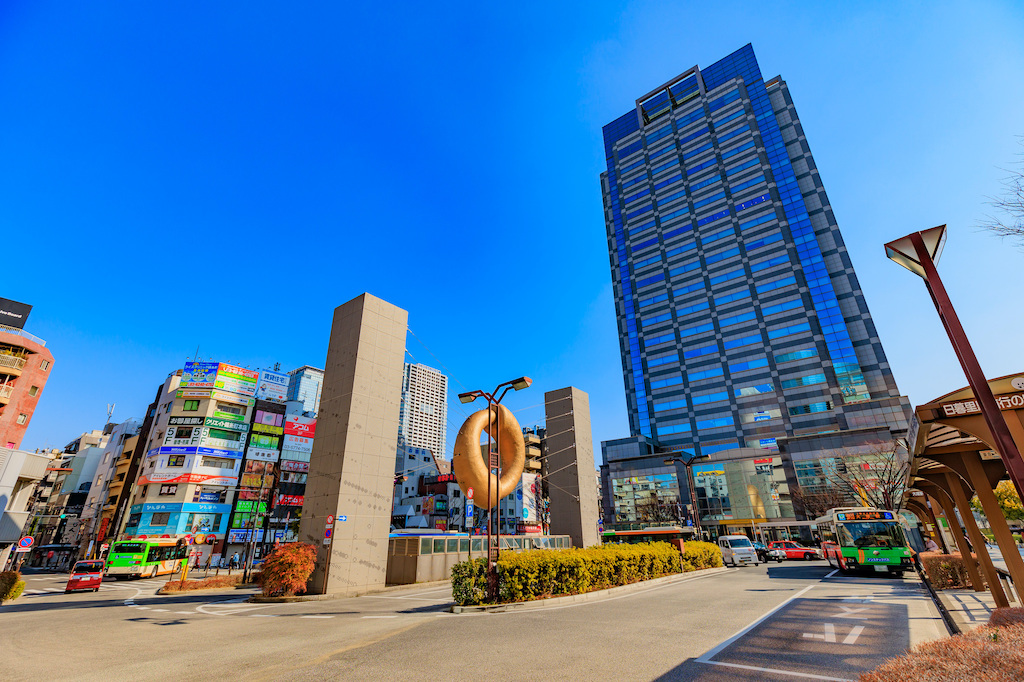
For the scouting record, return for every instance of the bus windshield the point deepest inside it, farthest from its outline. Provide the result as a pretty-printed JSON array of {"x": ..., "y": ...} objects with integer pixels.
[
  {"x": 128, "y": 548},
  {"x": 871, "y": 534}
]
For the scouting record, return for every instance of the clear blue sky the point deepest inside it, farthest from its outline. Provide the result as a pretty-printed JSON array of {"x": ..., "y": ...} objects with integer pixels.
[{"x": 176, "y": 175}]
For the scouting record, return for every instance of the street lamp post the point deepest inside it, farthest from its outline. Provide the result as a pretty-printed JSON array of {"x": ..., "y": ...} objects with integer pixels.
[
  {"x": 494, "y": 466},
  {"x": 918, "y": 252},
  {"x": 691, "y": 489}
]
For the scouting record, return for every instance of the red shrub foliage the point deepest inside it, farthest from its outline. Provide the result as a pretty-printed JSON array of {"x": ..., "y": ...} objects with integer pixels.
[
  {"x": 945, "y": 571},
  {"x": 1007, "y": 616},
  {"x": 214, "y": 583},
  {"x": 286, "y": 570},
  {"x": 985, "y": 653}
]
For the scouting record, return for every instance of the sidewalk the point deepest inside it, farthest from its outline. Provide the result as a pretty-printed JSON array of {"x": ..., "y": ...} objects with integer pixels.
[{"x": 968, "y": 608}]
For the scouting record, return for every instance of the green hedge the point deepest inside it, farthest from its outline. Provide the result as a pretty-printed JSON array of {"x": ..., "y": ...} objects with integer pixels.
[
  {"x": 11, "y": 585},
  {"x": 537, "y": 574}
]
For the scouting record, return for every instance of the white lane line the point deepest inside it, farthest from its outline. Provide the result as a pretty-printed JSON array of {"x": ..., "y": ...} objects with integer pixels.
[
  {"x": 380, "y": 616},
  {"x": 141, "y": 608},
  {"x": 706, "y": 658},
  {"x": 780, "y": 672},
  {"x": 316, "y": 616},
  {"x": 155, "y": 610},
  {"x": 263, "y": 615},
  {"x": 53, "y": 589},
  {"x": 35, "y": 591},
  {"x": 832, "y": 573}
]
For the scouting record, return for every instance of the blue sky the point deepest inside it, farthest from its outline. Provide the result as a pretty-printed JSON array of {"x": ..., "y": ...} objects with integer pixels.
[{"x": 178, "y": 176}]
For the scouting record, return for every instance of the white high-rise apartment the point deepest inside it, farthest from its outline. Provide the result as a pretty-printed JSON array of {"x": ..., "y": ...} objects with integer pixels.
[{"x": 424, "y": 410}]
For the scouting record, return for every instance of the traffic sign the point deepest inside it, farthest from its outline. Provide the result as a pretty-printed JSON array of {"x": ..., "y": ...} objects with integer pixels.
[
  {"x": 26, "y": 541},
  {"x": 330, "y": 519},
  {"x": 327, "y": 541},
  {"x": 188, "y": 539},
  {"x": 104, "y": 547},
  {"x": 526, "y": 512},
  {"x": 211, "y": 539},
  {"x": 469, "y": 492},
  {"x": 343, "y": 518},
  {"x": 327, "y": 533},
  {"x": 469, "y": 509}
]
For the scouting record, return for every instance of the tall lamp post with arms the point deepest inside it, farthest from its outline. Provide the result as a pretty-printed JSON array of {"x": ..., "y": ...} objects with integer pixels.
[
  {"x": 918, "y": 252},
  {"x": 688, "y": 462},
  {"x": 494, "y": 399}
]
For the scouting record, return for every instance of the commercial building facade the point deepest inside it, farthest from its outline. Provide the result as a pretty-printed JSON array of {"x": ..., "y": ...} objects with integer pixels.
[
  {"x": 305, "y": 385},
  {"x": 742, "y": 325}
]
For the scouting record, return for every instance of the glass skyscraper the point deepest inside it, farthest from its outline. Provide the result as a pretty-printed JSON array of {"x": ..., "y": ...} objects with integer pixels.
[
  {"x": 741, "y": 320},
  {"x": 305, "y": 384}
]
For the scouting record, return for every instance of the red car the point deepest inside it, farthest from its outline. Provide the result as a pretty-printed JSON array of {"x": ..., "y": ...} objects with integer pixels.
[
  {"x": 795, "y": 551},
  {"x": 86, "y": 575}
]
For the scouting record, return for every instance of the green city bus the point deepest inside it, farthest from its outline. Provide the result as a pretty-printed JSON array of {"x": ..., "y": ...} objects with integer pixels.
[
  {"x": 864, "y": 539},
  {"x": 144, "y": 558}
]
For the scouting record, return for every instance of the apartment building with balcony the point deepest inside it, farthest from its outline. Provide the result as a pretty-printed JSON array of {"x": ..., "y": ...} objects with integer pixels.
[{"x": 25, "y": 364}]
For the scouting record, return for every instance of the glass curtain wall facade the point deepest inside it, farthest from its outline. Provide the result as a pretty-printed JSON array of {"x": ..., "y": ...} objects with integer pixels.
[
  {"x": 305, "y": 384},
  {"x": 740, "y": 318}
]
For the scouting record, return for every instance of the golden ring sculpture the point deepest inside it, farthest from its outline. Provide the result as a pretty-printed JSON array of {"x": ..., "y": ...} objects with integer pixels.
[{"x": 468, "y": 463}]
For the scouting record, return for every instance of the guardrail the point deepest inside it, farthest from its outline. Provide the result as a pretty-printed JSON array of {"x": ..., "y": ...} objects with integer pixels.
[
  {"x": 1008, "y": 587},
  {"x": 6, "y": 391},
  {"x": 12, "y": 361}
]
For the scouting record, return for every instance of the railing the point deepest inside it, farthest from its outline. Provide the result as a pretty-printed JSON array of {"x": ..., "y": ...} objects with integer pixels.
[
  {"x": 21, "y": 332},
  {"x": 12, "y": 361},
  {"x": 6, "y": 391},
  {"x": 1008, "y": 587}
]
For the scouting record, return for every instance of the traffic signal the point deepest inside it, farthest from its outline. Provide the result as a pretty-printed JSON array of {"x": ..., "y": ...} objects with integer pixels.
[{"x": 63, "y": 516}]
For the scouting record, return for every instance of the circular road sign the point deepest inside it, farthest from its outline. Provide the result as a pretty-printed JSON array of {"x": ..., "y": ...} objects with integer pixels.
[
  {"x": 211, "y": 539},
  {"x": 469, "y": 492},
  {"x": 330, "y": 518},
  {"x": 26, "y": 541}
]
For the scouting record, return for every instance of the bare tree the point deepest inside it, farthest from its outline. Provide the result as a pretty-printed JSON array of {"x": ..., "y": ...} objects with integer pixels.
[
  {"x": 1011, "y": 205},
  {"x": 657, "y": 509},
  {"x": 874, "y": 477}
]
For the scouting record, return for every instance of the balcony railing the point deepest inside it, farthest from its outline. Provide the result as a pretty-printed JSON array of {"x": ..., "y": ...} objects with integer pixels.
[
  {"x": 6, "y": 391},
  {"x": 12, "y": 361},
  {"x": 21, "y": 332}
]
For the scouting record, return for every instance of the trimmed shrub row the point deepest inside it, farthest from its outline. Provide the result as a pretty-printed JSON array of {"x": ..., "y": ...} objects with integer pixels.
[
  {"x": 11, "y": 585},
  {"x": 994, "y": 654},
  {"x": 212, "y": 583},
  {"x": 945, "y": 571},
  {"x": 538, "y": 574}
]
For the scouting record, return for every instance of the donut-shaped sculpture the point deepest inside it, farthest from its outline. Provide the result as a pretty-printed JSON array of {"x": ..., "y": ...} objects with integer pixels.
[{"x": 468, "y": 462}]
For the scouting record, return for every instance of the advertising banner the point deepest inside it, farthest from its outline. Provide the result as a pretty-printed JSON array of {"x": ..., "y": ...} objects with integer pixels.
[
  {"x": 171, "y": 477},
  {"x": 264, "y": 428},
  {"x": 272, "y": 386},
  {"x": 14, "y": 314},
  {"x": 262, "y": 455},
  {"x": 236, "y": 379},
  {"x": 296, "y": 425},
  {"x": 232, "y": 398},
  {"x": 193, "y": 393},
  {"x": 297, "y": 443},
  {"x": 269, "y": 418},
  {"x": 290, "y": 500},
  {"x": 185, "y": 421},
  {"x": 225, "y": 424},
  {"x": 199, "y": 375},
  {"x": 294, "y": 466}
]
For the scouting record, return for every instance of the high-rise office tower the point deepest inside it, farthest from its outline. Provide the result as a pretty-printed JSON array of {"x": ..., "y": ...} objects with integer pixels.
[
  {"x": 423, "y": 416},
  {"x": 305, "y": 384},
  {"x": 740, "y": 318}
]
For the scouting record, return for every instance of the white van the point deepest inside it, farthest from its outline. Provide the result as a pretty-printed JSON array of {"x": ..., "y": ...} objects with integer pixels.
[{"x": 737, "y": 550}]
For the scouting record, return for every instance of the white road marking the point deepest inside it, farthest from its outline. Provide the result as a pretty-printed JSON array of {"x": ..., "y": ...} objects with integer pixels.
[
  {"x": 144, "y": 608},
  {"x": 832, "y": 573},
  {"x": 370, "y": 596},
  {"x": 53, "y": 589},
  {"x": 706, "y": 658},
  {"x": 829, "y": 636},
  {"x": 854, "y": 634},
  {"x": 263, "y": 615},
  {"x": 35, "y": 591},
  {"x": 380, "y": 616},
  {"x": 848, "y": 613},
  {"x": 781, "y": 672},
  {"x": 155, "y": 610},
  {"x": 316, "y": 616}
]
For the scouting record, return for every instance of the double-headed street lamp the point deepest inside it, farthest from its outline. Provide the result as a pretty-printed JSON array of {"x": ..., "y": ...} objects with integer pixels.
[
  {"x": 918, "y": 252},
  {"x": 494, "y": 465},
  {"x": 691, "y": 489}
]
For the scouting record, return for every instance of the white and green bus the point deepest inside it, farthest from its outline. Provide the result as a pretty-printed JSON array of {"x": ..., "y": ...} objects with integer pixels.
[
  {"x": 144, "y": 558},
  {"x": 857, "y": 539}
]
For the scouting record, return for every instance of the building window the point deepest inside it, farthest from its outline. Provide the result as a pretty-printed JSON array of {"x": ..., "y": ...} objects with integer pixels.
[
  {"x": 160, "y": 519},
  {"x": 44, "y": 365},
  {"x": 22, "y": 418},
  {"x": 191, "y": 406},
  {"x": 33, "y": 390},
  {"x": 219, "y": 462},
  {"x": 176, "y": 461},
  {"x": 169, "y": 490}
]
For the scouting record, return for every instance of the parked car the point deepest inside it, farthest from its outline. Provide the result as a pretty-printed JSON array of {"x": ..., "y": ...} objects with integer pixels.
[
  {"x": 767, "y": 554},
  {"x": 795, "y": 551},
  {"x": 737, "y": 550},
  {"x": 85, "y": 575}
]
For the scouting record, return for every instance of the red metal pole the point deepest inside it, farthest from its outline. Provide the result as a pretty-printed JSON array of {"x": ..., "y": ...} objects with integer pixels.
[{"x": 1004, "y": 442}]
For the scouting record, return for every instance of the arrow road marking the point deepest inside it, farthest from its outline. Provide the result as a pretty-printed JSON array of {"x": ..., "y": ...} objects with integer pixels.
[
  {"x": 854, "y": 634},
  {"x": 848, "y": 613}
]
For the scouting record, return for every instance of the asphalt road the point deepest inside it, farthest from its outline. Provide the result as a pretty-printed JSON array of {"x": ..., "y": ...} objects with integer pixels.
[{"x": 705, "y": 627}]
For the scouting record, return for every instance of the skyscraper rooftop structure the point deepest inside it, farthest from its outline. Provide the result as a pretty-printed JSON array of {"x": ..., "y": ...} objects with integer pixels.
[{"x": 740, "y": 318}]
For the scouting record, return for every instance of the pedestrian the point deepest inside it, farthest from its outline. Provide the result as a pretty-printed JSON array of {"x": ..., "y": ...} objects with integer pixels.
[{"x": 931, "y": 545}]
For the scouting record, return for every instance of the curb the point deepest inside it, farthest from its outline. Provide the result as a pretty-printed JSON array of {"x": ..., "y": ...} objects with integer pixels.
[
  {"x": 596, "y": 595},
  {"x": 260, "y": 599},
  {"x": 951, "y": 625}
]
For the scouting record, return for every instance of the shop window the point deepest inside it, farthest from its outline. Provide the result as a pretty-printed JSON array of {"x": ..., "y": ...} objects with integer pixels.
[{"x": 160, "y": 519}]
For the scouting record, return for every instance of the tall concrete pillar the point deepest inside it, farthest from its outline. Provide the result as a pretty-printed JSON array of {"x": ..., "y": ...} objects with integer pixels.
[
  {"x": 572, "y": 480},
  {"x": 352, "y": 467}
]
